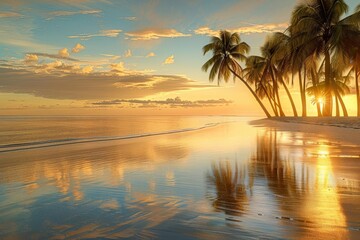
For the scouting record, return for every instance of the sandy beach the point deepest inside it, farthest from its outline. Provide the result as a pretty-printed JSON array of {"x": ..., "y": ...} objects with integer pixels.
[{"x": 339, "y": 129}]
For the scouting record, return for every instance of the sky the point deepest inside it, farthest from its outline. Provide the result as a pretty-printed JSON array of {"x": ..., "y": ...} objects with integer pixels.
[{"x": 132, "y": 57}]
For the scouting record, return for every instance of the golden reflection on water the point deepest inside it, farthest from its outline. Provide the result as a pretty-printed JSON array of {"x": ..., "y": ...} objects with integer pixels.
[
  {"x": 306, "y": 196},
  {"x": 144, "y": 184}
]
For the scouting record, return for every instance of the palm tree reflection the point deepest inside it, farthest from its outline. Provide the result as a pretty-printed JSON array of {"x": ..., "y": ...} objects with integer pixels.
[
  {"x": 305, "y": 194},
  {"x": 231, "y": 188}
]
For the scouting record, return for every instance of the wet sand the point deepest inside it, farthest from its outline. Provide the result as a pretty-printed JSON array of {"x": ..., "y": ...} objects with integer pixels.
[
  {"x": 339, "y": 129},
  {"x": 220, "y": 182}
]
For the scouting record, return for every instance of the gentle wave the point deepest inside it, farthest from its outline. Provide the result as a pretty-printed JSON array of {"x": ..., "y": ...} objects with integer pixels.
[{"x": 67, "y": 141}]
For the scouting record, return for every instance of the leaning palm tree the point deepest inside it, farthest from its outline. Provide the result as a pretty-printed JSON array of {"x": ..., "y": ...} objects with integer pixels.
[
  {"x": 227, "y": 49},
  {"x": 317, "y": 27}
]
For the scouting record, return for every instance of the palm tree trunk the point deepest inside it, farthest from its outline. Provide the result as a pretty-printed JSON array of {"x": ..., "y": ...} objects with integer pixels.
[
  {"x": 341, "y": 103},
  {"x": 315, "y": 84},
  {"x": 253, "y": 93},
  {"x": 271, "y": 104},
  {"x": 304, "y": 93},
  {"x": 290, "y": 97},
  {"x": 276, "y": 92},
  {"x": 357, "y": 90},
  {"x": 270, "y": 99},
  {"x": 328, "y": 96},
  {"x": 282, "y": 114},
  {"x": 303, "y": 104},
  {"x": 337, "y": 106}
]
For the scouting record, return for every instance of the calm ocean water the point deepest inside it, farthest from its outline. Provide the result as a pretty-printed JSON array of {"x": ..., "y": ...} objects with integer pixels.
[{"x": 173, "y": 178}]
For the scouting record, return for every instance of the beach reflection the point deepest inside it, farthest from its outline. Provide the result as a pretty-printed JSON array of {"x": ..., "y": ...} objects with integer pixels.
[
  {"x": 232, "y": 187},
  {"x": 270, "y": 184},
  {"x": 305, "y": 197}
]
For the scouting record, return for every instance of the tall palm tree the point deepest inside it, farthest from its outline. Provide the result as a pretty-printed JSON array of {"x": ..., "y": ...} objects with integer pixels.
[
  {"x": 255, "y": 74},
  {"x": 317, "y": 27},
  {"x": 281, "y": 58},
  {"x": 227, "y": 49}
]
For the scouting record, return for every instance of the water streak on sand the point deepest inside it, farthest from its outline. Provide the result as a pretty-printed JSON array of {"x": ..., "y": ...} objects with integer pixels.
[{"x": 67, "y": 141}]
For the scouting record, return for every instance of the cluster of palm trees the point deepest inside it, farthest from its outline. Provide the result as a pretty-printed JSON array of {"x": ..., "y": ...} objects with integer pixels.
[{"x": 320, "y": 50}]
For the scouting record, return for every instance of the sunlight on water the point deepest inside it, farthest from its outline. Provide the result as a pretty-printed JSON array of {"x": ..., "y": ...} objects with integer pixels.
[{"x": 225, "y": 181}]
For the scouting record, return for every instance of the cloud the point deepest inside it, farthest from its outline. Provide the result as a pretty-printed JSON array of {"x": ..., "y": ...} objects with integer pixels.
[
  {"x": 9, "y": 14},
  {"x": 119, "y": 69},
  {"x": 70, "y": 13},
  {"x": 103, "y": 33},
  {"x": 151, "y": 34},
  {"x": 31, "y": 58},
  {"x": 206, "y": 31},
  {"x": 128, "y": 53},
  {"x": 61, "y": 83},
  {"x": 77, "y": 48},
  {"x": 169, "y": 60},
  {"x": 73, "y": 3},
  {"x": 87, "y": 69},
  {"x": 253, "y": 28},
  {"x": 63, "y": 53},
  {"x": 171, "y": 102},
  {"x": 130, "y": 18},
  {"x": 111, "y": 56},
  {"x": 150, "y": 54}
]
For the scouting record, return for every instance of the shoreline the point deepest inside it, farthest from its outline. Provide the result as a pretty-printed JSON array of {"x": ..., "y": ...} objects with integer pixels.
[{"x": 336, "y": 128}]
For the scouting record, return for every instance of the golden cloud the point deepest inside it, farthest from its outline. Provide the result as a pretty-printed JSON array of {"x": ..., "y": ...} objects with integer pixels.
[
  {"x": 103, "y": 33},
  {"x": 57, "y": 80},
  {"x": 151, "y": 34},
  {"x": 9, "y": 14},
  {"x": 169, "y": 60},
  {"x": 171, "y": 102},
  {"x": 150, "y": 54},
  {"x": 31, "y": 58},
  {"x": 254, "y": 28},
  {"x": 64, "y": 53},
  {"x": 77, "y": 48},
  {"x": 70, "y": 13}
]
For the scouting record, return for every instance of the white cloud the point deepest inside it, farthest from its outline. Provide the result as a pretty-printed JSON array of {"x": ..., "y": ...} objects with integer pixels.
[
  {"x": 130, "y": 18},
  {"x": 128, "y": 53}
]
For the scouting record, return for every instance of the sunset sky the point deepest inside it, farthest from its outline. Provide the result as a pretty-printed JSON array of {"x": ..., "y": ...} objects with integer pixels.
[{"x": 126, "y": 57}]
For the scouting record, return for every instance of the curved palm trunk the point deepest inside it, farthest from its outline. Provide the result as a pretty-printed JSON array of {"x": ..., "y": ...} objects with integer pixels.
[
  {"x": 276, "y": 92},
  {"x": 357, "y": 91},
  {"x": 337, "y": 106},
  {"x": 302, "y": 94},
  {"x": 253, "y": 93},
  {"x": 341, "y": 103},
  {"x": 290, "y": 97},
  {"x": 315, "y": 83},
  {"x": 328, "y": 96},
  {"x": 270, "y": 101}
]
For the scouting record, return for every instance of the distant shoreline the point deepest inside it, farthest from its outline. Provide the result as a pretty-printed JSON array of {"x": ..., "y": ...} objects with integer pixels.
[{"x": 335, "y": 128}]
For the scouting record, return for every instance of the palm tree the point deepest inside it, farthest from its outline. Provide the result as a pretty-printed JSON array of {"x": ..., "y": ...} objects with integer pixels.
[
  {"x": 227, "y": 49},
  {"x": 339, "y": 88},
  {"x": 281, "y": 58},
  {"x": 316, "y": 28}
]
